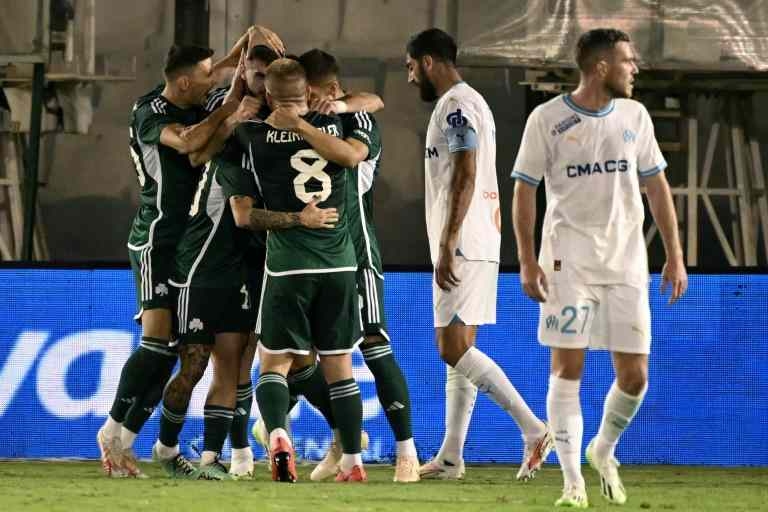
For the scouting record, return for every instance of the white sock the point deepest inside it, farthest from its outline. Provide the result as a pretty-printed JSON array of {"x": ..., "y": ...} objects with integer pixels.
[
  {"x": 406, "y": 448},
  {"x": 564, "y": 412},
  {"x": 460, "y": 395},
  {"x": 207, "y": 457},
  {"x": 491, "y": 379},
  {"x": 278, "y": 432},
  {"x": 127, "y": 438},
  {"x": 350, "y": 460},
  {"x": 242, "y": 454},
  {"x": 618, "y": 411},
  {"x": 166, "y": 452},
  {"x": 111, "y": 427}
]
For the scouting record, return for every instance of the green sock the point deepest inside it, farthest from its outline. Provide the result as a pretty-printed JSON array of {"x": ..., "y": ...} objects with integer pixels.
[
  {"x": 147, "y": 360},
  {"x": 348, "y": 410},
  {"x": 171, "y": 423},
  {"x": 272, "y": 396},
  {"x": 141, "y": 411},
  {"x": 390, "y": 387},
  {"x": 309, "y": 381},
  {"x": 217, "y": 421},
  {"x": 238, "y": 434}
]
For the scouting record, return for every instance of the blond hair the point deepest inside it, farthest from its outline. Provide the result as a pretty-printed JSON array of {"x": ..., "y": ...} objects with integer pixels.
[{"x": 285, "y": 79}]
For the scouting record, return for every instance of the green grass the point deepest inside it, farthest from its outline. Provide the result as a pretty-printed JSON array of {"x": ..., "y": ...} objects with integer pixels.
[{"x": 79, "y": 486}]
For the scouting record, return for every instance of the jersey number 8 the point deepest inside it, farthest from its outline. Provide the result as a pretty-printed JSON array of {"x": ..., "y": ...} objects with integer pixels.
[{"x": 306, "y": 172}]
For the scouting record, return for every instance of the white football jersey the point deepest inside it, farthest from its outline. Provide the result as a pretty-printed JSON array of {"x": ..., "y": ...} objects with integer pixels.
[
  {"x": 591, "y": 163},
  {"x": 459, "y": 109}
]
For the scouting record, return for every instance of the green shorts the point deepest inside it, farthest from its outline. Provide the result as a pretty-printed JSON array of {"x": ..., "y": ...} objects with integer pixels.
[
  {"x": 205, "y": 312},
  {"x": 305, "y": 311},
  {"x": 371, "y": 289},
  {"x": 152, "y": 267}
]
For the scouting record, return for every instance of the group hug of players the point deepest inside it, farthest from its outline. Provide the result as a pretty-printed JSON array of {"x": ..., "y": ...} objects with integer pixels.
[{"x": 218, "y": 169}]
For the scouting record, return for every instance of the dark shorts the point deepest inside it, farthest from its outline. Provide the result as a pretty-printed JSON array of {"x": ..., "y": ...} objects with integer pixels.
[
  {"x": 205, "y": 312},
  {"x": 371, "y": 289},
  {"x": 151, "y": 269},
  {"x": 310, "y": 311}
]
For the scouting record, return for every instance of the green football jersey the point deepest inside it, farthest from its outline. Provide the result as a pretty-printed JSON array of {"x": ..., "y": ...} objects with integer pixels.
[
  {"x": 166, "y": 178},
  {"x": 211, "y": 250},
  {"x": 292, "y": 174},
  {"x": 362, "y": 127}
]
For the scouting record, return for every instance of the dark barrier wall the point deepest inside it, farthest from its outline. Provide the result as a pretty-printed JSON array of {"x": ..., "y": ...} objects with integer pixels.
[{"x": 66, "y": 333}]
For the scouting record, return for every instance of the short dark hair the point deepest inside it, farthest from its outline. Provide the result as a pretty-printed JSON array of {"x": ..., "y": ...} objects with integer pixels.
[
  {"x": 262, "y": 53},
  {"x": 591, "y": 43},
  {"x": 182, "y": 57},
  {"x": 319, "y": 65},
  {"x": 433, "y": 42}
]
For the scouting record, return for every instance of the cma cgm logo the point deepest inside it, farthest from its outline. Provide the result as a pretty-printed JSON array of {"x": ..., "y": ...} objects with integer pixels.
[
  {"x": 77, "y": 375},
  {"x": 589, "y": 169}
]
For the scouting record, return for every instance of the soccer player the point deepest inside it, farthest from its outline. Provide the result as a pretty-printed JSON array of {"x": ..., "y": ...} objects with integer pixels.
[
  {"x": 309, "y": 297},
  {"x": 594, "y": 148},
  {"x": 463, "y": 226},
  {"x": 167, "y": 124},
  {"x": 364, "y": 142}
]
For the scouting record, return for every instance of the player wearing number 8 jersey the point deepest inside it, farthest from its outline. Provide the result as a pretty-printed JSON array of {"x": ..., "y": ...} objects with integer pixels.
[
  {"x": 592, "y": 148},
  {"x": 309, "y": 298}
]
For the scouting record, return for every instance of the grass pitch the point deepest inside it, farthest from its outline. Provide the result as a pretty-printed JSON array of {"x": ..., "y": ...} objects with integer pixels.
[{"x": 79, "y": 486}]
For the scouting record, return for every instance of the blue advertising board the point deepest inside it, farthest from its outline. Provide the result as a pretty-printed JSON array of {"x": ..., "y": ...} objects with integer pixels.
[{"x": 65, "y": 334}]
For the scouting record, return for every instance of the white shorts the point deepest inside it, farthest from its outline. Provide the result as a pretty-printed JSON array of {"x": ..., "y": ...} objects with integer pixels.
[
  {"x": 473, "y": 301},
  {"x": 608, "y": 317}
]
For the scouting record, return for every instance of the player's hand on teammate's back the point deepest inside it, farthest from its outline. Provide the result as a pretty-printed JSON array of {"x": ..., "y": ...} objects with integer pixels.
[
  {"x": 445, "y": 275},
  {"x": 534, "y": 281},
  {"x": 284, "y": 118},
  {"x": 318, "y": 218},
  {"x": 674, "y": 274},
  {"x": 258, "y": 34},
  {"x": 248, "y": 109}
]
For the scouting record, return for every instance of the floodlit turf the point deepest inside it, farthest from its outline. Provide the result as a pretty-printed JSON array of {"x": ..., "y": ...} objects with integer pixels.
[{"x": 78, "y": 486}]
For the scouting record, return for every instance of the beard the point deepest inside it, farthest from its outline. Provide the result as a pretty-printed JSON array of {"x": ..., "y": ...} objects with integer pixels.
[
  {"x": 618, "y": 92},
  {"x": 427, "y": 89}
]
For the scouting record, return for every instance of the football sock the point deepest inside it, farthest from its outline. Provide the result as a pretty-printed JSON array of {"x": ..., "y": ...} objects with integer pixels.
[
  {"x": 309, "y": 381},
  {"x": 217, "y": 421},
  {"x": 238, "y": 433},
  {"x": 145, "y": 405},
  {"x": 171, "y": 423},
  {"x": 111, "y": 427},
  {"x": 272, "y": 397},
  {"x": 618, "y": 411},
  {"x": 350, "y": 460},
  {"x": 391, "y": 388},
  {"x": 460, "y": 395},
  {"x": 564, "y": 413},
  {"x": 491, "y": 379},
  {"x": 348, "y": 411},
  {"x": 149, "y": 359}
]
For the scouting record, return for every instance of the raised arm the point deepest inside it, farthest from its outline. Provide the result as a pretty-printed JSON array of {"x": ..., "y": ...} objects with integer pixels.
[
  {"x": 663, "y": 211},
  {"x": 524, "y": 221},
  {"x": 247, "y": 109},
  {"x": 347, "y": 153},
  {"x": 354, "y": 102},
  {"x": 187, "y": 139}
]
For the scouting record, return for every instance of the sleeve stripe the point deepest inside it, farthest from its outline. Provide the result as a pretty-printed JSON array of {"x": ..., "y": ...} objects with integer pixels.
[
  {"x": 522, "y": 176},
  {"x": 653, "y": 170}
]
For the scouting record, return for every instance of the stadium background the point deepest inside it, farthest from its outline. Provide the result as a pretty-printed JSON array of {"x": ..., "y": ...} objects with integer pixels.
[{"x": 67, "y": 333}]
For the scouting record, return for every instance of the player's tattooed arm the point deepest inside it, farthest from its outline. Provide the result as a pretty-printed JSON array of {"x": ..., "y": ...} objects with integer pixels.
[
  {"x": 258, "y": 219},
  {"x": 532, "y": 277},
  {"x": 462, "y": 189},
  {"x": 663, "y": 211}
]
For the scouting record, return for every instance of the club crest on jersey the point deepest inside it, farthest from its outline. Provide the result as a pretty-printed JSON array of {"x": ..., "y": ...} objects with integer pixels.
[
  {"x": 566, "y": 124},
  {"x": 629, "y": 136},
  {"x": 456, "y": 119},
  {"x": 195, "y": 325}
]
